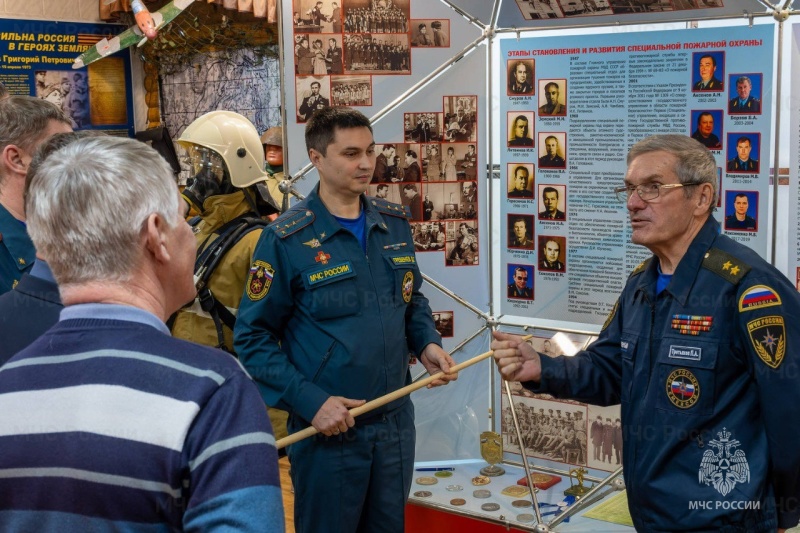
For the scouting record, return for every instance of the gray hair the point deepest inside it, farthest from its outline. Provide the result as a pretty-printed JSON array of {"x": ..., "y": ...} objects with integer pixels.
[
  {"x": 694, "y": 161},
  {"x": 88, "y": 202}
]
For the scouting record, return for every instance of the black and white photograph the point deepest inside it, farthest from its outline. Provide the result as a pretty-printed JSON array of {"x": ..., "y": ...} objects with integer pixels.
[
  {"x": 67, "y": 90},
  {"x": 376, "y": 53},
  {"x": 317, "y": 16},
  {"x": 460, "y": 119},
  {"x": 461, "y": 243},
  {"x": 428, "y": 236},
  {"x": 351, "y": 90},
  {"x": 377, "y": 16},
  {"x": 313, "y": 93},
  {"x": 423, "y": 127},
  {"x": 430, "y": 33}
]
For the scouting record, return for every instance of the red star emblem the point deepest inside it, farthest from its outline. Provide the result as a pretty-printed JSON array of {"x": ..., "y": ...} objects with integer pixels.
[{"x": 322, "y": 257}]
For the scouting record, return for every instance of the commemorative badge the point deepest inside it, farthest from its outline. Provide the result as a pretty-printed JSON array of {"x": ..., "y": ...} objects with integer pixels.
[
  {"x": 768, "y": 335},
  {"x": 322, "y": 257},
  {"x": 492, "y": 452},
  {"x": 724, "y": 466},
  {"x": 683, "y": 389},
  {"x": 757, "y": 297},
  {"x": 259, "y": 280},
  {"x": 408, "y": 286},
  {"x": 313, "y": 243}
]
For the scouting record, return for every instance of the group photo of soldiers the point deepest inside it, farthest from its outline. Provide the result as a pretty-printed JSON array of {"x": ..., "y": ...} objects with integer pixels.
[
  {"x": 351, "y": 90},
  {"x": 378, "y": 54},
  {"x": 376, "y": 16}
]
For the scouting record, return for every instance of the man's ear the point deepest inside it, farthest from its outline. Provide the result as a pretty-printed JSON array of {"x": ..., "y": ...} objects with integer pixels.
[
  {"x": 705, "y": 198},
  {"x": 155, "y": 237},
  {"x": 315, "y": 157},
  {"x": 13, "y": 160}
]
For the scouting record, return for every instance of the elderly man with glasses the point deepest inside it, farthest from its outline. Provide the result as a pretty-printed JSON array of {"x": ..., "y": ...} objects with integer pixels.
[{"x": 700, "y": 350}]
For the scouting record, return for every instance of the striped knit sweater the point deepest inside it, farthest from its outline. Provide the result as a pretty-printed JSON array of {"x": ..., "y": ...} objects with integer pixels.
[{"x": 112, "y": 425}]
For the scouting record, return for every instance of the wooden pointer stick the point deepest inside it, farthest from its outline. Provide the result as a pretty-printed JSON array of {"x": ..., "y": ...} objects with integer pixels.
[{"x": 383, "y": 400}]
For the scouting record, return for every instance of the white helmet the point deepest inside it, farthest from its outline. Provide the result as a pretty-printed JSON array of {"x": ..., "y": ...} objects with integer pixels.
[{"x": 231, "y": 137}]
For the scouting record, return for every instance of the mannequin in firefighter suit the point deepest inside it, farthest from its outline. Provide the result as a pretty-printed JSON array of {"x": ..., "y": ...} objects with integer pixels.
[
  {"x": 272, "y": 141},
  {"x": 229, "y": 186}
]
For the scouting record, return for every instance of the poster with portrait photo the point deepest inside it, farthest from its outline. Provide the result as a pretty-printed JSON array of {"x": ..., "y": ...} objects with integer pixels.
[
  {"x": 461, "y": 244},
  {"x": 351, "y": 90},
  {"x": 432, "y": 162},
  {"x": 552, "y": 97},
  {"x": 520, "y": 129},
  {"x": 741, "y": 211},
  {"x": 745, "y": 93},
  {"x": 706, "y": 127},
  {"x": 388, "y": 163},
  {"x": 411, "y": 194},
  {"x": 312, "y": 93},
  {"x": 310, "y": 54},
  {"x": 466, "y": 161},
  {"x": 520, "y": 75},
  {"x": 428, "y": 236},
  {"x": 431, "y": 33},
  {"x": 453, "y": 200},
  {"x": 519, "y": 281},
  {"x": 708, "y": 71},
  {"x": 460, "y": 119},
  {"x": 604, "y": 438},
  {"x": 377, "y": 16},
  {"x": 552, "y": 150},
  {"x": 427, "y": 127},
  {"x": 443, "y": 322},
  {"x": 552, "y": 253},
  {"x": 520, "y": 177},
  {"x": 409, "y": 168},
  {"x": 552, "y": 202},
  {"x": 386, "y": 191},
  {"x": 520, "y": 231},
  {"x": 376, "y": 53},
  {"x": 743, "y": 153},
  {"x": 317, "y": 16},
  {"x": 68, "y": 91}
]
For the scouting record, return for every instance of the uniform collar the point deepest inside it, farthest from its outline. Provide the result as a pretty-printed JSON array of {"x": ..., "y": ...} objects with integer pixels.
[
  {"x": 326, "y": 225},
  {"x": 223, "y": 208},
  {"x": 15, "y": 238},
  {"x": 689, "y": 266}
]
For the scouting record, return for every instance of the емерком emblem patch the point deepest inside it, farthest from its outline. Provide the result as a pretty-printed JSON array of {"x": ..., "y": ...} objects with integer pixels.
[
  {"x": 726, "y": 466},
  {"x": 259, "y": 280},
  {"x": 768, "y": 335},
  {"x": 408, "y": 286},
  {"x": 683, "y": 389}
]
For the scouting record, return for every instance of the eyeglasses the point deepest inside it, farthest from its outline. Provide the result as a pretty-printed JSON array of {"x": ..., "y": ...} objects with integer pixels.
[{"x": 648, "y": 191}]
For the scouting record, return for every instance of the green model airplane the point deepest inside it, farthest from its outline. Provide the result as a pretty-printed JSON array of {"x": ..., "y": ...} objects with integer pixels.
[{"x": 135, "y": 34}]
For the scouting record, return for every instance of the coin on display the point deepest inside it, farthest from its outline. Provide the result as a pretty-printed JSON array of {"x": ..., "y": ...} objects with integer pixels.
[
  {"x": 458, "y": 501},
  {"x": 481, "y": 493},
  {"x": 525, "y": 517},
  {"x": 427, "y": 480},
  {"x": 443, "y": 473},
  {"x": 455, "y": 488},
  {"x": 490, "y": 507},
  {"x": 517, "y": 491},
  {"x": 521, "y": 503},
  {"x": 423, "y": 494},
  {"x": 481, "y": 480}
]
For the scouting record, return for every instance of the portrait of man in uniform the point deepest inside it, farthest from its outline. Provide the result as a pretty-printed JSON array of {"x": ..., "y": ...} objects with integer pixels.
[
  {"x": 745, "y": 146},
  {"x": 520, "y": 232},
  {"x": 552, "y": 97},
  {"x": 553, "y": 202},
  {"x": 745, "y": 100},
  {"x": 311, "y": 96},
  {"x": 519, "y": 129},
  {"x": 709, "y": 128},
  {"x": 552, "y": 149},
  {"x": 709, "y": 70},
  {"x": 741, "y": 209},
  {"x": 520, "y": 282},
  {"x": 520, "y": 184},
  {"x": 520, "y": 76},
  {"x": 552, "y": 253}
]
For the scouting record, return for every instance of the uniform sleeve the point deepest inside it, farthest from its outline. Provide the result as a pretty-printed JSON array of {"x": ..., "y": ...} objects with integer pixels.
[
  {"x": 590, "y": 376},
  {"x": 420, "y": 329},
  {"x": 264, "y": 313},
  {"x": 233, "y": 464},
  {"x": 770, "y": 335}
]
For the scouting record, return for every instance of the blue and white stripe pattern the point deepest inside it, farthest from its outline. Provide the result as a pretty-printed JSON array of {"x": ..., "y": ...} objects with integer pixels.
[{"x": 112, "y": 425}]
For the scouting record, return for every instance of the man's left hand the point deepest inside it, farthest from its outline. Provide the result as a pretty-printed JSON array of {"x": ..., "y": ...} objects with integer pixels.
[{"x": 436, "y": 360}]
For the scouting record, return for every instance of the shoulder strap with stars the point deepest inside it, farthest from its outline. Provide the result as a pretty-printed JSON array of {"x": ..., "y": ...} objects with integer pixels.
[
  {"x": 725, "y": 265},
  {"x": 292, "y": 222},
  {"x": 389, "y": 208},
  {"x": 641, "y": 267}
]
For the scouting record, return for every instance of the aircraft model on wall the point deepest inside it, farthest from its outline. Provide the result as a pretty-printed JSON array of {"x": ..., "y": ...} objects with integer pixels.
[{"x": 147, "y": 26}]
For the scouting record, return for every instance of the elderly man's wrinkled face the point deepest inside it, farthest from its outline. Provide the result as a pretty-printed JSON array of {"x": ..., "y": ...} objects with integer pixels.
[{"x": 551, "y": 251}]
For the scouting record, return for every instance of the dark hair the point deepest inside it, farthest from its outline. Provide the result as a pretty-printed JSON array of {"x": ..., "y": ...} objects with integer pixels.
[
  {"x": 410, "y": 186},
  {"x": 741, "y": 195},
  {"x": 549, "y": 189},
  {"x": 387, "y": 147},
  {"x": 514, "y": 125},
  {"x": 713, "y": 61},
  {"x": 321, "y": 127},
  {"x": 743, "y": 139},
  {"x": 521, "y": 269},
  {"x": 701, "y": 115},
  {"x": 412, "y": 153},
  {"x": 520, "y": 219},
  {"x": 525, "y": 169},
  {"x": 382, "y": 186},
  {"x": 552, "y": 83}
]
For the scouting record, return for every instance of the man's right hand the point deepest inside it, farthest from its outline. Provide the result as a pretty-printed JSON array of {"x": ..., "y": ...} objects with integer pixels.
[
  {"x": 334, "y": 415},
  {"x": 516, "y": 359}
]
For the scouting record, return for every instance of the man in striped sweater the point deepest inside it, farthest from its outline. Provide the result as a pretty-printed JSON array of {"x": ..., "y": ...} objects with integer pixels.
[{"x": 106, "y": 422}]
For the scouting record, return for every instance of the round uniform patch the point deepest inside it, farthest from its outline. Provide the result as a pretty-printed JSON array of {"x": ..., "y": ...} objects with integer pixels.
[
  {"x": 408, "y": 286},
  {"x": 259, "y": 280},
  {"x": 683, "y": 389}
]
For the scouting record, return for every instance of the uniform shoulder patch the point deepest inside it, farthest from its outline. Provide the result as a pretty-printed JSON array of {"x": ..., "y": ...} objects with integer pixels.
[
  {"x": 611, "y": 315},
  {"x": 390, "y": 208},
  {"x": 291, "y": 222},
  {"x": 768, "y": 335},
  {"x": 259, "y": 280},
  {"x": 757, "y": 297},
  {"x": 725, "y": 265},
  {"x": 641, "y": 267}
]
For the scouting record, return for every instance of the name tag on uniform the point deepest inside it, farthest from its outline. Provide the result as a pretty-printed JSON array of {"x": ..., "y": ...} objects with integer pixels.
[
  {"x": 405, "y": 259},
  {"x": 342, "y": 270},
  {"x": 685, "y": 352}
]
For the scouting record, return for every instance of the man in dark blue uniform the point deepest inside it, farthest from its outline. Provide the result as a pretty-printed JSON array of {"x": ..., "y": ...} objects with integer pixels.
[
  {"x": 700, "y": 355},
  {"x": 332, "y": 312}
]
